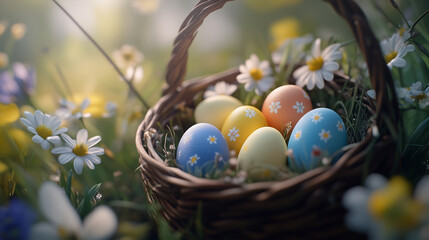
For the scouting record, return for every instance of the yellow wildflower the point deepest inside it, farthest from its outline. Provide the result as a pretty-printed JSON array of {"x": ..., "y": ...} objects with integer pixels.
[
  {"x": 9, "y": 113},
  {"x": 282, "y": 30}
]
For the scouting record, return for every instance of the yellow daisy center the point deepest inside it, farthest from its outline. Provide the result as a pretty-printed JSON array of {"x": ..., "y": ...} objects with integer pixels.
[
  {"x": 394, "y": 205},
  {"x": 315, "y": 64},
  {"x": 325, "y": 135},
  {"x": 401, "y": 31},
  {"x": 256, "y": 74},
  {"x": 212, "y": 139},
  {"x": 43, "y": 131},
  {"x": 193, "y": 159},
  {"x": 421, "y": 96},
  {"x": 390, "y": 56},
  {"x": 298, "y": 135},
  {"x": 80, "y": 150},
  {"x": 316, "y": 117},
  {"x": 128, "y": 56}
]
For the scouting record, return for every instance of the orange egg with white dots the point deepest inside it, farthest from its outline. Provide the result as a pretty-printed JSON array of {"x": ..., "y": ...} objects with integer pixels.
[{"x": 284, "y": 106}]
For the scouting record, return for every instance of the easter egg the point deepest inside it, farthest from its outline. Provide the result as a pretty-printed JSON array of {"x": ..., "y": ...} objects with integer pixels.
[
  {"x": 319, "y": 133},
  {"x": 284, "y": 106},
  {"x": 239, "y": 124},
  {"x": 202, "y": 149},
  {"x": 215, "y": 110},
  {"x": 263, "y": 154}
]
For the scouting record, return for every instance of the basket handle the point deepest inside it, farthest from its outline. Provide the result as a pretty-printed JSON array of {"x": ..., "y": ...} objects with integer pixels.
[{"x": 381, "y": 79}]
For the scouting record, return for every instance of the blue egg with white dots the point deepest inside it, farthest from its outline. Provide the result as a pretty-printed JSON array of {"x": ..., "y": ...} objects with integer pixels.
[
  {"x": 316, "y": 140},
  {"x": 202, "y": 150}
]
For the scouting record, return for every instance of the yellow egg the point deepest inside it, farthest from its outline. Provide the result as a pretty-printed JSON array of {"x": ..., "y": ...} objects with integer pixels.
[
  {"x": 263, "y": 154},
  {"x": 215, "y": 110},
  {"x": 239, "y": 124}
]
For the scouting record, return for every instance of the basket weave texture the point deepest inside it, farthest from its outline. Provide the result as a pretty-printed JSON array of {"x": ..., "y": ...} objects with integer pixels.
[{"x": 307, "y": 206}]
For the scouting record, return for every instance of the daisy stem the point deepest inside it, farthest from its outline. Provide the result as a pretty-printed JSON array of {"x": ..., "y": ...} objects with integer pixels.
[
  {"x": 115, "y": 67},
  {"x": 418, "y": 20},
  {"x": 347, "y": 43},
  {"x": 395, "y": 6},
  {"x": 64, "y": 81}
]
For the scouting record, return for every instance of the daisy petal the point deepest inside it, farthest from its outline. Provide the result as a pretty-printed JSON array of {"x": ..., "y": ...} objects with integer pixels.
[
  {"x": 60, "y": 131},
  {"x": 88, "y": 163},
  {"x": 328, "y": 76},
  {"x": 92, "y": 141},
  {"x": 61, "y": 150},
  {"x": 32, "y": 130},
  {"x": 96, "y": 151},
  {"x": 78, "y": 165},
  {"x": 30, "y": 118},
  {"x": 85, "y": 104},
  {"x": 54, "y": 139},
  {"x": 421, "y": 192},
  {"x": 93, "y": 158},
  {"x": 56, "y": 207},
  {"x": 45, "y": 145},
  {"x": 398, "y": 62},
  {"x": 26, "y": 122},
  {"x": 100, "y": 224},
  {"x": 39, "y": 118},
  {"x": 65, "y": 158},
  {"x": 82, "y": 136},
  {"x": 331, "y": 66},
  {"x": 319, "y": 80},
  {"x": 37, "y": 139},
  {"x": 68, "y": 140},
  {"x": 311, "y": 81}
]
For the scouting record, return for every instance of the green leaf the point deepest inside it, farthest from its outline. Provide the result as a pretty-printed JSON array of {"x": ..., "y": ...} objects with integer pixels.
[
  {"x": 69, "y": 183},
  {"x": 416, "y": 152},
  {"x": 85, "y": 205}
]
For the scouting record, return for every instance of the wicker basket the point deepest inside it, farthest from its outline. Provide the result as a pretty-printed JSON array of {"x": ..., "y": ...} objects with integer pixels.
[{"x": 307, "y": 206}]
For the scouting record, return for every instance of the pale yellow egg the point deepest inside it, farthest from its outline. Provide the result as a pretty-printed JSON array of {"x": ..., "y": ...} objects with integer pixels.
[
  {"x": 215, "y": 110},
  {"x": 263, "y": 154}
]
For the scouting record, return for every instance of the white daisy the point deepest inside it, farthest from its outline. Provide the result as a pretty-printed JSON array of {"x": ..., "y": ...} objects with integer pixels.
[
  {"x": 298, "y": 135},
  {"x": 299, "y": 106},
  {"x": 394, "y": 49},
  {"x": 417, "y": 93},
  {"x": 127, "y": 56},
  {"x": 250, "y": 113},
  {"x": 325, "y": 135},
  {"x": 134, "y": 74},
  {"x": 212, "y": 139},
  {"x": 400, "y": 92},
  {"x": 80, "y": 150},
  {"x": 220, "y": 88},
  {"x": 316, "y": 117},
  {"x": 63, "y": 222},
  {"x": 233, "y": 134},
  {"x": 274, "y": 106},
  {"x": 256, "y": 75},
  {"x": 319, "y": 66},
  {"x": 45, "y": 127},
  {"x": 291, "y": 49},
  {"x": 193, "y": 159},
  {"x": 69, "y": 110}
]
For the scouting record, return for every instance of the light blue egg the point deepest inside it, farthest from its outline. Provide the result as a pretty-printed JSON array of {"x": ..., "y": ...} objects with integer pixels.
[
  {"x": 319, "y": 133},
  {"x": 202, "y": 149}
]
